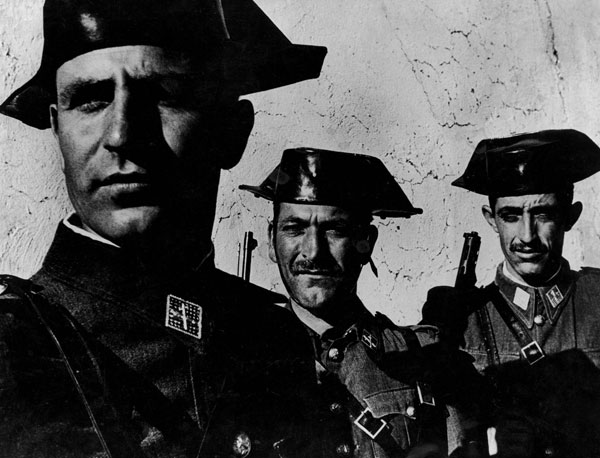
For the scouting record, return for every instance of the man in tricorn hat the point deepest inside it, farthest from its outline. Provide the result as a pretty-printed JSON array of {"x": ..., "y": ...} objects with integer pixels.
[
  {"x": 128, "y": 341},
  {"x": 380, "y": 395},
  {"x": 537, "y": 305}
]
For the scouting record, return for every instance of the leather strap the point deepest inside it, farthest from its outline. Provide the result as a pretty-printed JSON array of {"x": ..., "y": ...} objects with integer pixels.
[{"x": 530, "y": 348}]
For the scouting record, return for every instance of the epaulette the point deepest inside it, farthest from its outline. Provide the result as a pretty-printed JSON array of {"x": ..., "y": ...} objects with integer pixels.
[{"x": 589, "y": 270}]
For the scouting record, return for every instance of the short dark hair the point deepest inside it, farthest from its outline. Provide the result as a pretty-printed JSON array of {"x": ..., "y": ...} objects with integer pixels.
[{"x": 565, "y": 196}]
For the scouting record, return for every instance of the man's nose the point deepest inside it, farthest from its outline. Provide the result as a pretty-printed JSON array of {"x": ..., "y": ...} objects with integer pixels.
[
  {"x": 527, "y": 229},
  {"x": 128, "y": 123},
  {"x": 312, "y": 244}
]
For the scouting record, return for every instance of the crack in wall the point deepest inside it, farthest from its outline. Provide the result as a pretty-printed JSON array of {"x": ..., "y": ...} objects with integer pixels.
[{"x": 552, "y": 51}]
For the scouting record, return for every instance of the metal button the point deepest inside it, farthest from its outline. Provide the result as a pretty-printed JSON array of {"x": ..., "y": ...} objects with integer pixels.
[
  {"x": 539, "y": 320},
  {"x": 410, "y": 411},
  {"x": 242, "y": 445},
  {"x": 335, "y": 407},
  {"x": 549, "y": 451},
  {"x": 343, "y": 450},
  {"x": 334, "y": 354}
]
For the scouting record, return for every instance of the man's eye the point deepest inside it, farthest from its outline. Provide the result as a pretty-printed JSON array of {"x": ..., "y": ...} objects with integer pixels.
[
  {"x": 92, "y": 105},
  {"x": 546, "y": 217},
  {"x": 509, "y": 217},
  {"x": 339, "y": 231},
  {"x": 292, "y": 229}
]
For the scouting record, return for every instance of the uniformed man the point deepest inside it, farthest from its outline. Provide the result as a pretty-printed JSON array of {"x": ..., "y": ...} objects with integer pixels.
[
  {"x": 537, "y": 305},
  {"x": 128, "y": 341},
  {"x": 379, "y": 392}
]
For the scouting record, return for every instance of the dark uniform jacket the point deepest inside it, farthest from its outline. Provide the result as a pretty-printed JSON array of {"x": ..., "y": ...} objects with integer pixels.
[
  {"x": 562, "y": 315},
  {"x": 89, "y": 367},
  {"x": 548, "y": 408},
  {"x": 370, "y": 375}
]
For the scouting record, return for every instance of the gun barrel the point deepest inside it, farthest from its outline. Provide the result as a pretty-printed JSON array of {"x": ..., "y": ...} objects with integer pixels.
[{"x": 466, "y": 276}]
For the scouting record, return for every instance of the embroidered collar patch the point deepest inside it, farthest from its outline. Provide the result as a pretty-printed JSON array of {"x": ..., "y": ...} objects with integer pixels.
[{"x": 184, "y": 316}]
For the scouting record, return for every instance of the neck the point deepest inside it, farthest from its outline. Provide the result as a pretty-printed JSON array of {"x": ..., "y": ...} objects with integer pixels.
[
  {"x": 342, "y": 313},
  {"x": 531, "y": 281}
]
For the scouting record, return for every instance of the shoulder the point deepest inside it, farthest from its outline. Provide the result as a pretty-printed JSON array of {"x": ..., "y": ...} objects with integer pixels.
[
  {"x": 400, "y": 338},
  {"x": 254, "y": 316},
  {"x": 587, "y": 277}
]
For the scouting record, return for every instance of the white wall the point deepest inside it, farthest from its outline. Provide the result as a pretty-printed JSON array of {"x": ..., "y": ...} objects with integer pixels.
[{"x": 416, "y": 83}]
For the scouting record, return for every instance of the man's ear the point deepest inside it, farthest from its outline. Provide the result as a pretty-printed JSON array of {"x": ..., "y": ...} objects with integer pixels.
[
  {"x": 272, "y": 254},
  {"x": 573, "y": 215},
  {"x": 488, "y": 214},
  {"x": 236, "y": 124},
  {"x": 365, "y": 245},
  {"x": 53, "y": 113}
]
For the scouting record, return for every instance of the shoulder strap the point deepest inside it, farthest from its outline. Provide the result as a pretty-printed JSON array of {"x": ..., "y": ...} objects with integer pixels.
[{"x": 530, "y": 348}]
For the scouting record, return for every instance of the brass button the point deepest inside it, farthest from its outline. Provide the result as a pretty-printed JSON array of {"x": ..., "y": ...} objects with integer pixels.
[
  {"x": 410, "y": 411},
  {"x": 242, "y": 445},
  {"x": 343, "y": 450},
  {"x": 334, "y": 354},
  {"x": 539, "y": 320},
  {"x": 335, "y": 407}
]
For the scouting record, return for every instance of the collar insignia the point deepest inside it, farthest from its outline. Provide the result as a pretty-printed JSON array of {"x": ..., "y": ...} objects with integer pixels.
[
  {"x": 184, "y": 316},
  {"x": 521, "y": 298},
  {"x": 554, "y": 296}
]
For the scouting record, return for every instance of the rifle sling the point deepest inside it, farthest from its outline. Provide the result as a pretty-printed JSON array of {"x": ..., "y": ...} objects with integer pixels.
[{"x": 530, "y": 349}]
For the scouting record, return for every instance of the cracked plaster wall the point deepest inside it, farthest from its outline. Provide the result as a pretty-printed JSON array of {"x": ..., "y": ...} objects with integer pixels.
[{"x": 416, "y": 83}]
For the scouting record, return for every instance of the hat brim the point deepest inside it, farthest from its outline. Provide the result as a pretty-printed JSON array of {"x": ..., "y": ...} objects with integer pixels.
[{"x": 295, "y": 63}]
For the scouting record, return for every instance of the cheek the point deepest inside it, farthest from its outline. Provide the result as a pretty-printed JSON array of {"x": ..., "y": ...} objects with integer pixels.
[{"x": 183, "y": 132}]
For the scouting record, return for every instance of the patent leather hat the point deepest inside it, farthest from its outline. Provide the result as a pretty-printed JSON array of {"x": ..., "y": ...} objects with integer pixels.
[
  {"x": 533, "y": 163},
  {"x": 254, "y": 53},
  {"x": 322, "y": 177}
]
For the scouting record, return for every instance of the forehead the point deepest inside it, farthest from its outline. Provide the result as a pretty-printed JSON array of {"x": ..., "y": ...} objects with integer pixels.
[
  {"x": 527, "y": 201},
  {"x": 137, "y": 61},
  {"x": 312, "y": 212}
]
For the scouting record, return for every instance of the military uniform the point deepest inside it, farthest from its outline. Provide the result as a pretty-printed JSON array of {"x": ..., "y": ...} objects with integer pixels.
[
  {"x": 537, "y": 345},
  {"x": 559, "y": 315},
  {"x": 92, "y": 361},
  {"x": 383, "y": 388}
]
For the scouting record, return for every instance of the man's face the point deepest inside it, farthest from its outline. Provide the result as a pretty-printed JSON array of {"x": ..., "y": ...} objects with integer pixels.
[
  {"x": 320, "y": 251},
  {"x": 132, "y": 124},
  {"x": 532, "y": 230}
]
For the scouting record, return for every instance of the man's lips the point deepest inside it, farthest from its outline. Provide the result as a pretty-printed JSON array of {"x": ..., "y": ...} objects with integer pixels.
[
  {"x": 529, "y": 254},
  {"x": 316, "y": 273},
  {"x": 132, "y": 178},
  {"x": 130, "y": 189}
]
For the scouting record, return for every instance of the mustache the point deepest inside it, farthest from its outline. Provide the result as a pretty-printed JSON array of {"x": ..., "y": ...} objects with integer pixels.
[
  {"x": 305, "y": 266},
  {"x": 533, "y": 247}
]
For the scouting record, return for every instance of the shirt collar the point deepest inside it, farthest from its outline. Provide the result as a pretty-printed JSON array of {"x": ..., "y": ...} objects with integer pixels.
[
  {"x": 72, "y": 222},
  {"x": 521, "y": 297},
  {"x": 311, "y": 321}
]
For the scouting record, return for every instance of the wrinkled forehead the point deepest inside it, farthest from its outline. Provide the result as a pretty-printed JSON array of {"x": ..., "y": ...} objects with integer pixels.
[
  {"x": 139, "y": 61},
  {"x": 528, "y": 201},
  {"x": 314, "y": 213}
]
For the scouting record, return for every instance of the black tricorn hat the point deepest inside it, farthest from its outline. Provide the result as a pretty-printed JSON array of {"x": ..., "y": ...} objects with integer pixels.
[
  {"x": 322, "y": 177},
  {"x": 256, "y": 55},
  {"x": 534, "y": 163}
]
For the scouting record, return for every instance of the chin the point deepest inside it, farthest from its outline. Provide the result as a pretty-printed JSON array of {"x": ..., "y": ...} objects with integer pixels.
[{"x": 126, "y": 224}]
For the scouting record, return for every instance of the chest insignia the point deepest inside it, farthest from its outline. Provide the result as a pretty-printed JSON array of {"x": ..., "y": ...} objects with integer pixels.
[
  {"x": 184, "y": 316},
  {"x": 554, "y": 296}
]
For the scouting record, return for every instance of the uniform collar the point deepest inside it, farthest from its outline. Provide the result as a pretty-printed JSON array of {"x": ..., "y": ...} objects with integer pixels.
[
  {"x": 74, "y": 223},
  {"x": 551, "y": 297}
]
